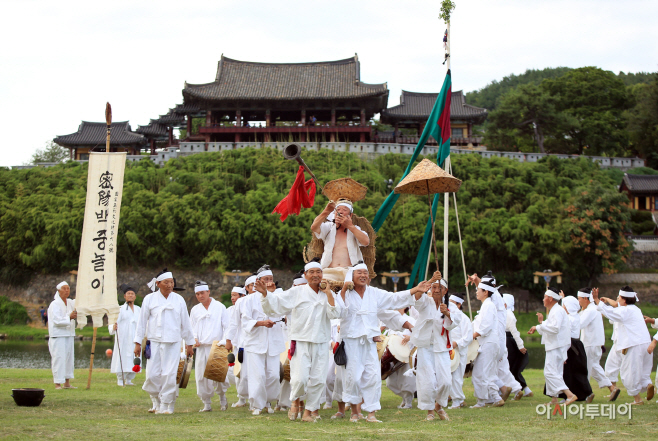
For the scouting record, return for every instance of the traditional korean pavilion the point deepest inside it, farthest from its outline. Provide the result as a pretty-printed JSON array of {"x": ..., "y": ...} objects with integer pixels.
[
  {"x": 91, "y": 136},
  {"x": 415, "y": 108},
  {"x": 323, "y": 101},
  {"x": 642, "y": 191}
]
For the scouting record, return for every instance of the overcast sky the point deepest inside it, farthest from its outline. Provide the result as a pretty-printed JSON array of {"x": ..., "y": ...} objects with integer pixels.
[{"x": 60, "y": 61}]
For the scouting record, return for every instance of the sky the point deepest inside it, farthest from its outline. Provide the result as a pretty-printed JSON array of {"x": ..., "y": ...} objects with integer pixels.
[{"x": 61, "y": 61}]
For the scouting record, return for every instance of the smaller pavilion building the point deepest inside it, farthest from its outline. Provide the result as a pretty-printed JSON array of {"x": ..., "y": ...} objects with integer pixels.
[{"x": 91, "y": 136}]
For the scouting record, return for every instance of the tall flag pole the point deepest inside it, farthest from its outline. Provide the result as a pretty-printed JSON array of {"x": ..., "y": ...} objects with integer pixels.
[{"x": 446, "y": 9}]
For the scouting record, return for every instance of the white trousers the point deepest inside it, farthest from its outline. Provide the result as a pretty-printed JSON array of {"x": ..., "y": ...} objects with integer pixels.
[
  {"x": 554, "y": 371},
  {"x": 636, "y": 367},
  {"x": 129, "y": 376},
  {"x": 403, "y": 387},
  {"x": 457, "y": 386},
  {"x": 433, "y": 378},
  {"x": 243, "y": 381},
  {"x": 161, "y": 371},
  {"x": 230, "y": 377},
  {"x": 206, "y": 388},
  {"x": 264, "y": 386},
  {"x": 613, "y": 364},
  {"x": 284, "y": 395},
  {"x": 308, "y": 373},
  {"x": 331, "y": 379},
  {"x": 62, "y": 358},
  {"x": 484, "y": 373},
  {"x": 362, "y": 376},
  {"x": 505, "y": 375},
  {"x": 594, "y": 368},
  {"x": 337, "y": 394}
]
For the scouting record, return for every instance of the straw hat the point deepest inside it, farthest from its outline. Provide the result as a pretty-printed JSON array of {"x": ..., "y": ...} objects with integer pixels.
[
  {"x": 428, "y": 178},
  {"x": 345, "y": 188}
]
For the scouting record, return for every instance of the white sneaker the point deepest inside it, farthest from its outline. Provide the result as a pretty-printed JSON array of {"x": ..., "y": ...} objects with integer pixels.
[
  {"x": 223, "y": 407},
  {"x": 129, "y": 383},
  {"x": 223, "y": 401},
  {"x": 163, "y": 410},
  {"x": 206, "y": 408},
  {"x": 456, "y": 405},
  {"x": 119, "y": 384},
  {"x": 270, "y": 410},
  {"x": 256, "y": 412},
  {"x": 241, "y": 403},
  {"x": 327, "y": 406},
  {"x": 404, "y": 405},
  {"x": 156, "y": 404}
]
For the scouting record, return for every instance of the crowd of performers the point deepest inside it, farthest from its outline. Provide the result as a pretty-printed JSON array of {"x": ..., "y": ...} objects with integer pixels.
[{"x": 330, "y": 339}]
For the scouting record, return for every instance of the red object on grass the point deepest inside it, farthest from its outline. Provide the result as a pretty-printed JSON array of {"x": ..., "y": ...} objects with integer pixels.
[{"x": 302, "y": 194}]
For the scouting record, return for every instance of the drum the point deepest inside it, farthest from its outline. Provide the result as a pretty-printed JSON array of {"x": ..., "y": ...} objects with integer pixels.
[
  {"x": 398, "y": 350},
  {"x": 412, "y": 359},
  {"x": 285, "y": 364},
  {"x": 184, "y": 371},
  {"x": 472, "y": 354},
  {"x": 217, "y": 366},
  {"x": 454, "y": 363},
  {"x": 381, "y": 345}
]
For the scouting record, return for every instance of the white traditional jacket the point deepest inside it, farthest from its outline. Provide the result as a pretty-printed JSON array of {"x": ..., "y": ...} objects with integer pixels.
[
  {"x": 631, "y": 328},
  {"x": 462, "y": 335},
  {"x": 127, "y": 325},
  {"x": 60, "y": 323},
  {"x": 328, "y": 236},
  {"x": 591, "y": 326},
  {"x": 486, "y": 323},
  {"x": 310, "y": 312},
  {"x": 555, "y": 331},
  {"x": 167, "y": 319},
  {"x": 511, "y": 328},
  {"x": 209, "y": 324},
  {"x": 431, "y": 329},
  {"x": 260, "y": 339}
]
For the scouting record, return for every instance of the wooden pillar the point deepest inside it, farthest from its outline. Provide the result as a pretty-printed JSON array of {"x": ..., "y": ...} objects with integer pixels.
[
  {"x": 362, "y": 138},
  {"x": 170, "y": 139},
  {"x": 303, "y": 121},
  {"x": 152, "y": 142},
  {"x": 238, "y": 119},
  {"x": 237, "y": 137},
  {"x": 268, "y": 118},
  {"x": 469, "y": 130},
  {"x": 332, "y": 137},
  {"x": 396, "y": 132},
  {"x": 302, "y": 137},
  {"x": 363, "y": 117},
  {"x": 208, "y": 118},
  {"x": 333, "y": 117},
  {"x": 189, "y": 125}
]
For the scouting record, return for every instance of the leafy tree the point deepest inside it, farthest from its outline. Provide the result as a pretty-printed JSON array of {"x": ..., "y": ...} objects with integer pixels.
[
  {"x": 594, "y": 99},
  {"x": 52, "y": 152},
  {"x": 642, "y": 121}
]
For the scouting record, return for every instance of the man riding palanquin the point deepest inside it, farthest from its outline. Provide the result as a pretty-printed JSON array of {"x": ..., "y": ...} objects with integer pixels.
[{"x": 341, "y": 238}]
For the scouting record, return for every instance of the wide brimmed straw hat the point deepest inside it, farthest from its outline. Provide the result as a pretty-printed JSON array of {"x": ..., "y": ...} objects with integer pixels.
[
  {"x": 428, "y": 178},
  {"x": 345, "y": 188}
]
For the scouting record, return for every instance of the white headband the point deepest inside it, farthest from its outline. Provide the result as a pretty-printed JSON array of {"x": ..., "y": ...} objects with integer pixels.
[
  {"x": 345, "y": 204},
  {"x": 264, "y": 273},
  {"x": 442, "y": 282},
  {"x": 629, "y": 294},
  {"x": 486, "y": 287},
  {"x": 160, "y": 278},
  {"x": 360, "y": 266},
  {"x": 60, "y": 284},
  {"x": 201, "y": 288},
  {"x": 312, "y": 265},
  {"x": 299, "y": 281},
  {"x": 555, "y": 295},
  {"x": 237, "y": 289},
  {"x": 250, "y": 280},
  {"x": 584, "y": 294},
  {"x": 456, "y": 299}
]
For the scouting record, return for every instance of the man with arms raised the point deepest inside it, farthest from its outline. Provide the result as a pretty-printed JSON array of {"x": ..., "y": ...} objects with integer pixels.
[
  {"x": 311, "y": 311},
  {"x": 359, "y": 329},
  {"x": 165, "y": 314},
  {"x": 209, "y": 321}
]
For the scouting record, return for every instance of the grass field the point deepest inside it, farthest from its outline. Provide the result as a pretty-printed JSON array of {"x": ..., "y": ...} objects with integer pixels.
[{"x": 109, "y": 412}]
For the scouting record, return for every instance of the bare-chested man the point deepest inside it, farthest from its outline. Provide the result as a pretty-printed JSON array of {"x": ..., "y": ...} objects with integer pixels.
[{"x": 342, "y": 239}]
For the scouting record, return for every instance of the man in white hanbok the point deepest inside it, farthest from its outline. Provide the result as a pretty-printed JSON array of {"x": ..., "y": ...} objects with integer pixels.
[
  {"x": 593, "y": 338},
  {"x": 461, "y": 336},
  {"x": 61, "y": 332},
  {"x": 263, "y": 343},
  {"x": 165, "y": 314},
  {"x": 209, "y": 321},
  {"x": 235, "y": 340},
  {"x": 236, "y": 293},
  {"x": 555, "y": 334},
  {"x": 311, "y": 311},
  {"x": 400, "y": 384},
  {"x": 633, "y": 342},
  {"x": 124, "y": 332},
  {"x": 360, "y": 332},
  {"x": 431, "y": 337}
]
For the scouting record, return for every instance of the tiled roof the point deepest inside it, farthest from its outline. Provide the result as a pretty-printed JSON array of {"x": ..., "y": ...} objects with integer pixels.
[
  {"x": 94, "y": 133},
  {"x": 153, "y": 129},
  {"x": 641, "y": 183},
  {"x": 183, "y": 109},
  {"x": 171, "y": 118},
  {"x": 416, "y": 105},
  {"x": 285, "y": 81}
]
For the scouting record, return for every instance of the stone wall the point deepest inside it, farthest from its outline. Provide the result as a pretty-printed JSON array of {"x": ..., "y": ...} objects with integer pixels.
[{"x": 640, "y": 260}]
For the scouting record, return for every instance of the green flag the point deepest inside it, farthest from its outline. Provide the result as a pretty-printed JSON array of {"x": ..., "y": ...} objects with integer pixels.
[{"x": 438, "y": 127}]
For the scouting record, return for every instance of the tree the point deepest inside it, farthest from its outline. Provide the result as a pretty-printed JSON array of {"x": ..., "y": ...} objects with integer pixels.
[
  {"x": 527, "y": 112},
  {"x": 642, "y": 121},
  {"x": 594, "y": 99},
  {"x": 52, "y": 152}
]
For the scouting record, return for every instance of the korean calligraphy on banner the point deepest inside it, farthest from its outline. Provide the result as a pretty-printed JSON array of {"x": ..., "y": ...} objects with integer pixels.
[{"x": 96, "y": 291}]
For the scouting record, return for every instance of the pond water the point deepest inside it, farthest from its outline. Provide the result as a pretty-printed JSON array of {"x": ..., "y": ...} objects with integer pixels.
[
  {"x": 21, "y": 354},
  {"x": 35, "y": 355}
]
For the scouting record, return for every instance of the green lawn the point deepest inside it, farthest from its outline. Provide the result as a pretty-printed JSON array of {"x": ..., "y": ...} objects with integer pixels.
[{"x": 109, "y": 412}]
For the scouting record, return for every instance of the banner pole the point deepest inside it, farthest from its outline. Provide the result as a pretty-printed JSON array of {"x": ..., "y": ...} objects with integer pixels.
[{"x": 91, "y": 361}]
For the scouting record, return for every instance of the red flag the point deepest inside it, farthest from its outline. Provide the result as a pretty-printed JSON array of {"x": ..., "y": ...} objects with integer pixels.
[{"x": 302, "y": 194}]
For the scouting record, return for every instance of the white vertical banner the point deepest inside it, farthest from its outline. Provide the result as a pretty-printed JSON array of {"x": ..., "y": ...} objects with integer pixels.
[{"x": 96, "y": 291}]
